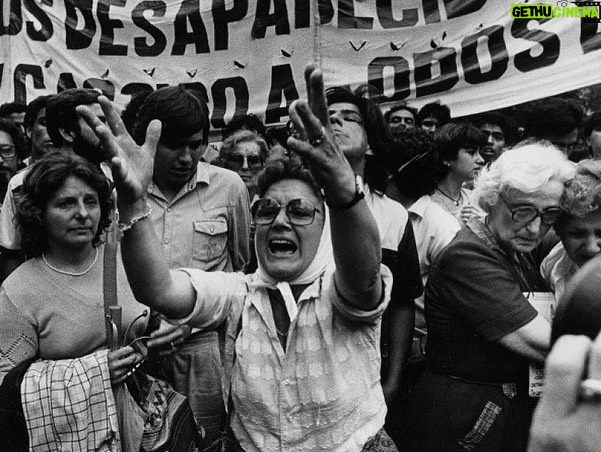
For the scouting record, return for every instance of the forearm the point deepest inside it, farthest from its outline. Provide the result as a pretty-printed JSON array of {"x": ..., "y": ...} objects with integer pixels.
[
  {"x": 151, "y": 280},
  {"x": 531, "y": 341},
  {"x": 400, "y": 335},
  {"x": 357, "y": 254}
]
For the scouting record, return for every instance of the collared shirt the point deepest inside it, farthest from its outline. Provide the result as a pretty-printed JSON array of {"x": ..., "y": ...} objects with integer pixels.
[
  {"x": 9, "y": 235},
  {"x": 323, "y": 392},
  {"x": 391, "y": 218},
  {"x": 558, "y": 269},
  {"x": 434, "y": 228},
  {"x": 207, "y": 224}
]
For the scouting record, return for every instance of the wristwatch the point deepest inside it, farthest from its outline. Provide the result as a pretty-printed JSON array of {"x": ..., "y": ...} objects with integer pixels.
[{"x": 359, "y": 195}]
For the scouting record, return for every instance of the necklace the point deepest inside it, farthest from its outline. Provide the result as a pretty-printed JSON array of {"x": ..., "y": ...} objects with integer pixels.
[
  {"x": 455, "y": 201},
  {"x": 71, "y": 273}
]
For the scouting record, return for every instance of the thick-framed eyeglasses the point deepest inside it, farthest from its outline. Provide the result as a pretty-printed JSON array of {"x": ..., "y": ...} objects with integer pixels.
[
  {"x": 8, "y": 151},
  {"x": 526, "y": 214},
  {"x": 236, "y": 161},
  {"x": 300, "y": 212}
]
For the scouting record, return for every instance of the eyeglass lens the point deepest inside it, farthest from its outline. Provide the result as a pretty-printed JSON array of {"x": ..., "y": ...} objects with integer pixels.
[
  {"x": 237, "y": 160},
  {"x": 300, "y": 212},
  {"x": 527, "y": 214}
]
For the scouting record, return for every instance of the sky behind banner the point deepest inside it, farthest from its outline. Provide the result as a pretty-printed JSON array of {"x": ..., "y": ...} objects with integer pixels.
[{"x": 249, "y": 55}]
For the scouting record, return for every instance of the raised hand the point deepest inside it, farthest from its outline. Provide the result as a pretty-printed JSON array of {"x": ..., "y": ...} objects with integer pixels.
[
  {"x": 328, "y": 164},
  {"x": 566, "y": 420},
  {"x": 132, "y": 165}
]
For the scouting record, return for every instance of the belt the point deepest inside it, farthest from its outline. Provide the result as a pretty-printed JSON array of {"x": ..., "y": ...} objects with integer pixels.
[{"x": 509, "y": 389}]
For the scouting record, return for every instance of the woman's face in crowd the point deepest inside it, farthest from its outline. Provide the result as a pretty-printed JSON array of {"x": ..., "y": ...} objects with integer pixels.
[
  {"x": 283, "y": 249},
  {"x": 246, "y": 160},
  {"x": 467, "y": 165},
  {"x": 581, "y": 237},
  {"x": 523, "y": 237},
  {"x": 72, "y": 215}
]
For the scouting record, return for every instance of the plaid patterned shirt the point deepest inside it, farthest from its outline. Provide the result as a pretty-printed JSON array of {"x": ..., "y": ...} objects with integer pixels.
[{"x": 69, "y": 405}]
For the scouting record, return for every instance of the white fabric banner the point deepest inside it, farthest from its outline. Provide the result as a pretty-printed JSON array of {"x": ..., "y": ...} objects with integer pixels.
[{"x": 249, "y": 55}]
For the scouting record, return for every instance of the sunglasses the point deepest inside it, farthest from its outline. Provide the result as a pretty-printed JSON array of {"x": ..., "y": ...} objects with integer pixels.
[
  {"x": 526, "y": 214},
  {"x": 236, "y": 161},
  {"x": 300, "y": 212}
]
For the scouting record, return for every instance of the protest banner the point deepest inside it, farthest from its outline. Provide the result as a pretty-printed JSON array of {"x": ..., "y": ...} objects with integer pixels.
[{"x": 249, "y": 55}]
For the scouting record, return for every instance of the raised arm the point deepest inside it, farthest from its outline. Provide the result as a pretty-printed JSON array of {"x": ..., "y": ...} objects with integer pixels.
[
  {"x": 152, "y": 283},
  {"x": 355, "y": 237}
]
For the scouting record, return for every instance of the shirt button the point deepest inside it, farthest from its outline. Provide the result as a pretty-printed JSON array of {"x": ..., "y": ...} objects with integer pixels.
[
  {"x": 286, "y": 382},
  {"x": 212, "y": 229},
  {"x": 169, "y": 210},
  {"x": 166, "y": 242}
]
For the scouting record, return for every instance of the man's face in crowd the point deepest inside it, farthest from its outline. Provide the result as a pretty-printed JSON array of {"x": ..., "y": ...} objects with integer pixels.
[
  {"x": 430, "y": 124},
  {"x": 41, "y": 143},
  {"x": 348, "y": 130},
  {"x": 495, "y": 142},
  {"x": 401, "y": 120},
  {"x": 18, "y": 119},
  {"x": 176, "y": 160}
]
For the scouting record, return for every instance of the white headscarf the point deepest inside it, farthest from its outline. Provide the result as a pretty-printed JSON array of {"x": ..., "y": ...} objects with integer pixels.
[{"x": 324, "y": 258}]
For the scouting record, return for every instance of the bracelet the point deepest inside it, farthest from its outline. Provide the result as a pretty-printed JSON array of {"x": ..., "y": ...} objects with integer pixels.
[
  {"x": 359, "y": 195},
  {"x": 124, "y": 227}
]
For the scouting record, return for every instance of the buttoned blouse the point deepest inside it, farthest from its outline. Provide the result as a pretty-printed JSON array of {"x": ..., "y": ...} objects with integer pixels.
[{"x": 323, "y": 392}]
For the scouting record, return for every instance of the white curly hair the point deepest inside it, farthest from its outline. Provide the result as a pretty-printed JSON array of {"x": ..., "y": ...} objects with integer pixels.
[{"x": 527, "y": 168}]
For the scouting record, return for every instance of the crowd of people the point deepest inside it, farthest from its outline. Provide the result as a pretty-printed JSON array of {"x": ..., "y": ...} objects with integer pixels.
[{"x": 360, "y": 279}]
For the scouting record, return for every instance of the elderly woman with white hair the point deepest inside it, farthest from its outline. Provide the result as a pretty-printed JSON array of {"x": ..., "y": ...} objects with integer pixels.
[{"x": 482, "y": 330}]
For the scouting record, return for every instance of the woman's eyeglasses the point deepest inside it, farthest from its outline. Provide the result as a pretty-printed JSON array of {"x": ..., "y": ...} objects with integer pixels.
[
  {"x": 300, "y": 212},
  {"x": 526, "y": 214},
  {"x": 8, "y": 151},
  {"x": 236, "y": 161}
]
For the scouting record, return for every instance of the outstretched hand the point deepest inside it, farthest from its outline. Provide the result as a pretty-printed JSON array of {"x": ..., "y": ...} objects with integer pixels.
[
  {"x": 132, "y": 165},
  {"x": 565, "y": 421},
  {"x": 328, "y": 164}
]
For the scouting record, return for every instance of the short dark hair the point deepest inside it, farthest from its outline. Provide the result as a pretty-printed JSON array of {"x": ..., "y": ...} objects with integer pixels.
[
  {"x": 181, "y": 111},
  {"x": 506, "y": 123},
  {"x": 435, "y": 110},
  {"x": 248, "y": 122},
  {"x": 400, "y": 107},
  {"x": 593, "y": 122},
  {"x": 9, "y": 108},
  {"x": 454, "y": 136},
  {"x": 41, "y": 182},
  {"x": 376, "y": 129},
  {"x": 286, "y": 167},
  {"x": 33, "y": 108},
  {"x": 417, "y": 151},
  {"x": 552, "y": 117},
  {"x": 6, "y": 125},
  {"x": 61, "y": 113},
  {"x": 130, "y": 112},
  {"x": 275, "y": 135}
]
